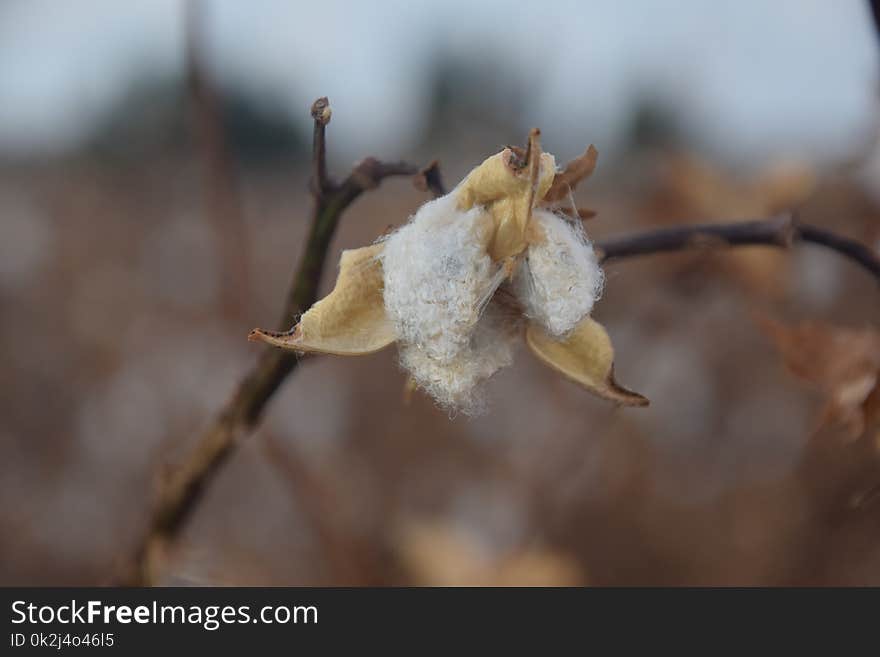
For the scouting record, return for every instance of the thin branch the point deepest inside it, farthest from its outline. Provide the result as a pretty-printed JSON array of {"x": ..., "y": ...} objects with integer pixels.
[
  {"x": 781, "y": 231},
  {"x": 848, "y": 248},
  {"x": 430, "y": 180},
  {"x": 321, "y": 113},
  {"x": 183, "y": 490},
  {"x": 348, "y": 557}
]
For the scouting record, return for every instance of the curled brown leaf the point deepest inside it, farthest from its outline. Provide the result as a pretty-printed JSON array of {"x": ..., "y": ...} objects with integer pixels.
[
  {"x": 574, "y": 172},
  {"x": 842, "y": 362}
]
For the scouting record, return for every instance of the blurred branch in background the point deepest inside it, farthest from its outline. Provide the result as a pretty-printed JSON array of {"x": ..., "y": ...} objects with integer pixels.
[
  {"x": 875, "y": 14},
  {"x": 220, "y": 192},
  {"x": 352, "y": 560},
  {"x": 183, "y": 490}
]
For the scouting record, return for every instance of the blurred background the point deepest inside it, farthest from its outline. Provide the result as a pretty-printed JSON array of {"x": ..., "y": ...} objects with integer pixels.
[{"x": 153, "y": 205}]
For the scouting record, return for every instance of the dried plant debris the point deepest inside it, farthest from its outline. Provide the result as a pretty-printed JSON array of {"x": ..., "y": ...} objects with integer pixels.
[
  {"x": 842, "y": 362},
  {"x": 461, "y": 282},
  {"x": 436, "y": 553},
  {"x": 693, "y": 190}
]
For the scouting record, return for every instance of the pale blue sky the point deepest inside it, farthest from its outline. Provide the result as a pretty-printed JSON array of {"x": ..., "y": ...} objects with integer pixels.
[{"x": 752, "y": 77}]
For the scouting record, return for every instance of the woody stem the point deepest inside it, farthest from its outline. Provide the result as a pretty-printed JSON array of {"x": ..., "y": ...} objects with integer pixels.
[{"x": 781, "y": 231}]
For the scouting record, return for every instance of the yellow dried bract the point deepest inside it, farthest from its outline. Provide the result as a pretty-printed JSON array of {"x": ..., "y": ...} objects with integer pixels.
[
  {"x": 586, "y": 357},
  {"x": 349, "y": 321},
  {"x": 509, "y": 194}
]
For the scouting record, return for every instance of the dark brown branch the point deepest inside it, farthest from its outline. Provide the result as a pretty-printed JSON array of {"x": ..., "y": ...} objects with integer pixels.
[
  {"x": 848, "y": 248},
  {"x": 183, "y": 490},
  {"x": 321, "y": 114},
  {"x": 430, "y": 180},
  {"x": 781, "y": 231}
]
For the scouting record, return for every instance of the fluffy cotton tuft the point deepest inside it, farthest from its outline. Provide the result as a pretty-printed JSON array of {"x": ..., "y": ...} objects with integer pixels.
[
  {"x": 560, "y": 278},
  {"x": 438, "y": 277},
  {"x": 456, "y": 384}
]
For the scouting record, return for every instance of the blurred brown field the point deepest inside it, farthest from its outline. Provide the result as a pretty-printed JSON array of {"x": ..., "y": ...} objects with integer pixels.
[
  {"x": 117, "y": 349},
  {"x": 127, "y": 300}
]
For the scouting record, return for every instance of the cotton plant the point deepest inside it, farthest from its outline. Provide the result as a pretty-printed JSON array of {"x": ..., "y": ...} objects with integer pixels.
[{"x": 495, "y": 259}]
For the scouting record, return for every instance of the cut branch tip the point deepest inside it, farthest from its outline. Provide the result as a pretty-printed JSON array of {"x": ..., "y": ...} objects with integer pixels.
[
  {"x": 429, "y": 179},
  {"x": 321, "y": 111}
]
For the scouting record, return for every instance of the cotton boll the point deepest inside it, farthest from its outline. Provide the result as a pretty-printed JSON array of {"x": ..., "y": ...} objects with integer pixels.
[
  {"x": 438, "y": 277},
  {"x": 456, "y": 384},
  {"x": 560, "y": 278},
  {"x": 438, "y": 285}
]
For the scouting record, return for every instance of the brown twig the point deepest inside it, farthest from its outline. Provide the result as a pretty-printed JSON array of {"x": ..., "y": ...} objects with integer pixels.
[
  {"x": 781, "y": 231},
  {"x": 321, "y": 113},
  {"x": 237, "y": 419},
  {"x": 430, "y": 180}
]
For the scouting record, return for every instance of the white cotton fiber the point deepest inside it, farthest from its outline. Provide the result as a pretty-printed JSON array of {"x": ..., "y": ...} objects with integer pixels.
[
  {"x": 438, "y": 282},
  {"x": 560, "y": 278},
  {"x": 456, "y": 384},
  {"x": 438, "y": 278}
]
